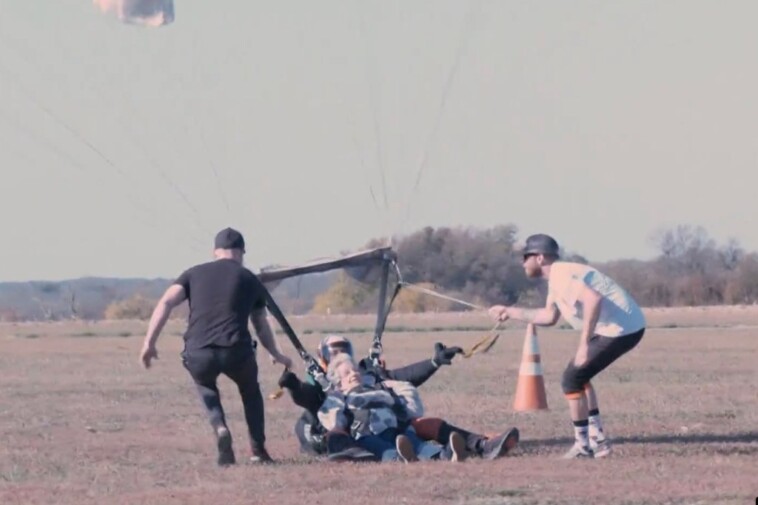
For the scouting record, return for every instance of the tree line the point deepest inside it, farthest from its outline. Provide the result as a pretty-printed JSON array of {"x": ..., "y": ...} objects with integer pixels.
[
  {"x": 484, "y": 266},
  {"x": 481, "y": 266}
]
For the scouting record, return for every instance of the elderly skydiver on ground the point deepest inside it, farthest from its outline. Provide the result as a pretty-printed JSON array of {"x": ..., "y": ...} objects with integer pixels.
[
  {"x": 375, "y": 416},
  {"x": 313, "y": 436}
]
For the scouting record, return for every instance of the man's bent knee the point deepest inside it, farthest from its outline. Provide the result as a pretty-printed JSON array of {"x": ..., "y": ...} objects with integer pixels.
[{"x": 573, "y": 383}]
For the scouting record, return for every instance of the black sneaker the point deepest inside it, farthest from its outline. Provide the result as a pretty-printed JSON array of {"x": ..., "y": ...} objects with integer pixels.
[
  {"x": 353, "y": 454},
  {"x": 224, "y": 445},
  {"x": 499, "y": 446},
  {"x": 260, "y": 456},
  {"x": 337, "y": 442}
]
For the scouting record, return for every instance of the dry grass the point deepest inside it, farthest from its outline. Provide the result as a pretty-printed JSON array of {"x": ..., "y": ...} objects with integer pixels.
[{"x": 80, "y": 422}]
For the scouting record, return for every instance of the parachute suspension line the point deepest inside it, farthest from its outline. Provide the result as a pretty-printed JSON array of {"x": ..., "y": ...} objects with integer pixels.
[
  {"x": 216, "y": 176},
  {"x": 484, "y": 344},
  {"x": 363, "y": 165},
  {"x": 166, "y": 179},
  {"x": 36, "y": 137},
  {"x": 69, "y": 128},
  {"x": 431, "y": 292},
  {"x": 373, "y": 197},
  {"x": 170, "y": 183},
  {"x": 63, "y": 124},
  {"x": 195, "y": 243},
  {"x": 371, "y": 78},
  {"x": 131, "y": 136},
  {"x": 362, "y": 161},
  {"x": 204, "y": 145},
  {"x": 424, "y": 160},
  {"x": 181, "y": 194}
]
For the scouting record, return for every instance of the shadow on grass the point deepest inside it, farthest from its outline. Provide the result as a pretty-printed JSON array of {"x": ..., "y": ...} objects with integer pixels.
[
  {"x": 694, "y": 438},
  {"x": 688, "y": 439}
]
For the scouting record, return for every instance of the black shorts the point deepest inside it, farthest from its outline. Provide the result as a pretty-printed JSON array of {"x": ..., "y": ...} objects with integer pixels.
[{"x": 601, "y": 352}]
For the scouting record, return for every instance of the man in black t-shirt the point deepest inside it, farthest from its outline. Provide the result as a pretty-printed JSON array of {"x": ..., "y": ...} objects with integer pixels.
[{"x": 222, "y": 295}]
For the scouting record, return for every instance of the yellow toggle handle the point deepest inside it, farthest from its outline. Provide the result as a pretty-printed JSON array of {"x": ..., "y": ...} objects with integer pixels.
[{"x": 485, "y": 344}]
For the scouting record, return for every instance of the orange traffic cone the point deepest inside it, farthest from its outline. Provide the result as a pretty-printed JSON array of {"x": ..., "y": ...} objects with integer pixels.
[{"x": 530, "y": 391}]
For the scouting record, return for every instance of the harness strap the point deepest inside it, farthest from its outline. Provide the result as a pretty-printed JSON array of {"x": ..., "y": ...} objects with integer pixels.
[{"x": 313, "y": 366}]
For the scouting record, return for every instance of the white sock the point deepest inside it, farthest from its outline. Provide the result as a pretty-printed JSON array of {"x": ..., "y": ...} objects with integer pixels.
[
  {"x": 581, "y": 434},
  {"x": 596, "y": 428}
]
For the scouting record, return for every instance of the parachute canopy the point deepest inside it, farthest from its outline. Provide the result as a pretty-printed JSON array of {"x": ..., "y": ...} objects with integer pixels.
[{"x": 140, "y": 12}]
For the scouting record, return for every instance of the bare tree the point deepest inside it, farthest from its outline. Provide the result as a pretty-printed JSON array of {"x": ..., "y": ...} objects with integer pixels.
[
  {"x": 731, "y": 254},
  {"x": 47, "y": 311},
  {"x": 72, "y": 303}
]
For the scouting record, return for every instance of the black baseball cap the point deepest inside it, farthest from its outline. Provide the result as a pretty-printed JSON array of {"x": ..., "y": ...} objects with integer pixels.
[
  {"x": 229, "y": 238},
  {"x": 541, "y": 244}
]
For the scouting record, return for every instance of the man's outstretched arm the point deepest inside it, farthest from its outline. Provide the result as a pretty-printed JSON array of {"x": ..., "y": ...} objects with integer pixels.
[
  {"x": 546, "y": 316},
  {"x": 173, "y": 296},
  {"x": 266, "y": 336}
]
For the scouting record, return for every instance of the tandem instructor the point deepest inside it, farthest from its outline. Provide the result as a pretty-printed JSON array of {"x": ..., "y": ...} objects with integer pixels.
[{"x": 222, "y": 295}]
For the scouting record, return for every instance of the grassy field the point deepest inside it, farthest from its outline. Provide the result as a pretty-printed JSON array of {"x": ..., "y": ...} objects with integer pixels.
[{"x": 81, "y": 422}]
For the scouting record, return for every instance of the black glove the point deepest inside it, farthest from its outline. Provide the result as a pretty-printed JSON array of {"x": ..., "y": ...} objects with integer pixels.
[
  {"x": 289, "y": 380},
  {"x": 444, "y": 355}
]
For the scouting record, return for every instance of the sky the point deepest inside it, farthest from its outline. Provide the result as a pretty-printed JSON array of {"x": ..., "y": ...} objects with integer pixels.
[{"x": 315, "y": 126}]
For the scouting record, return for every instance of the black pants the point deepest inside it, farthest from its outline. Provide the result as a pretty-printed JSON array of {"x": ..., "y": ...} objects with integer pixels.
[
  {"x": 601, "y": 352},
  {"x": 238, "y": 363},
  {"x": 311, "y": 434}
]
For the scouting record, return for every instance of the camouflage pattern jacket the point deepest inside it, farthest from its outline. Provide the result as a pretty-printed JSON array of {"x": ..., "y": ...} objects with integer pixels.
[{"x": 370, "y": 410}]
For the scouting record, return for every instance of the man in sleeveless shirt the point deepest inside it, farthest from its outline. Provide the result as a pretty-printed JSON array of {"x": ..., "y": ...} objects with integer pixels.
[
  {"x": 222, "y": 296},
  {"x": 609, "y": 321}
]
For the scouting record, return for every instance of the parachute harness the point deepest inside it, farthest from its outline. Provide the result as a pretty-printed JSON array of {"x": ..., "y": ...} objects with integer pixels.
[
  {"x": 384, "y": 309},
  {"x": 312, "y": 366}
]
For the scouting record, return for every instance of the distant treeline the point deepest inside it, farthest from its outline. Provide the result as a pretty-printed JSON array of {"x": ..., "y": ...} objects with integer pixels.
[
  {"x": 691, "y": 268},
  {"x": 485, "y": 267},
  {"x": 482, "y": 266}
]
